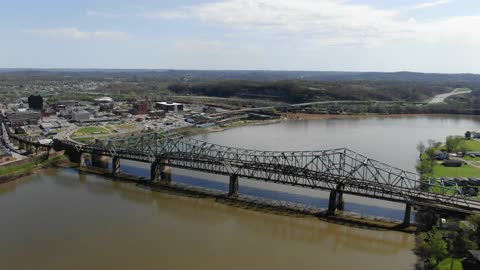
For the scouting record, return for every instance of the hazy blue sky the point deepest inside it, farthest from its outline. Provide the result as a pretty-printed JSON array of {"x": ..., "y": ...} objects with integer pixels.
[{"x": 356, "y": 35}]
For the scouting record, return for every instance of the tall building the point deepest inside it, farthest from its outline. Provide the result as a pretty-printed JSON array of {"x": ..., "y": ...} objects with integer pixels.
[
  {"x": 35, "y": 102},
  {"x": 22, "y": 118},
  {"x": 169, "y": 106},
  {"x": 141, "y": 107},
  {"x": 104, "y": 103}
]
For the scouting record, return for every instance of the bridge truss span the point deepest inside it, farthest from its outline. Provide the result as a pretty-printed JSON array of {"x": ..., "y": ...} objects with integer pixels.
[{"x": 337, "y": 169}]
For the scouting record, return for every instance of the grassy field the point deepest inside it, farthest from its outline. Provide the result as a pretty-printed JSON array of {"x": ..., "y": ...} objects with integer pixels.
[
  {"x": 89, "y": 131},
  {"x": 472, "y": 145},
  {"x": 472, "y": 159},
  {"x": 464, "y": 171},
  {"x": 125, "y": 126},
  {"x": 447, "y": 264}
]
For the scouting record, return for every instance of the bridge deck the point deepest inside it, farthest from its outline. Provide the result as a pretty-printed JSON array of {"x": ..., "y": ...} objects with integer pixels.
[{"x": 324, "y": 170}]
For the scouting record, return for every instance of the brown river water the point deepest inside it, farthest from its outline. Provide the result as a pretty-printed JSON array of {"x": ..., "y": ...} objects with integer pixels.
[{"x": 63, "y": 219}]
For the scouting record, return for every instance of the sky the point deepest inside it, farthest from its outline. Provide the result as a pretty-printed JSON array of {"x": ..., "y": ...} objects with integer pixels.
[{"x": 322, "y": 35}]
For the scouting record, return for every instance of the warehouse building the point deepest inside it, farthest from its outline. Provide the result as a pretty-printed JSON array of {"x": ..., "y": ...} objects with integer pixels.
[
  {"x": 80, "y": 116},
  {"x": 22, "y": 118}
]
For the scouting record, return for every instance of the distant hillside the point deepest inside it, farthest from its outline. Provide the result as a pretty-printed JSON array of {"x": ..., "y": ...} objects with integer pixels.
[{"x": 201, "y": 75}]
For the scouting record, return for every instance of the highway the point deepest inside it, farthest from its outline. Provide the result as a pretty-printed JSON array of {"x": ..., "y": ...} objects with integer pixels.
[{"x": 442, "y": 97}]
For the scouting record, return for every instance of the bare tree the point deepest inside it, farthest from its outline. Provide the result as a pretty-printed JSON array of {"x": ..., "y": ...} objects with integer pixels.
[{"x": 421, "y": 148}]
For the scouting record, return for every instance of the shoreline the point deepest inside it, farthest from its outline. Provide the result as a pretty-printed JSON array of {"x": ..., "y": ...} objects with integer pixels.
[
  {"x": 193, "y": 131},
  {"x": 52, "y": 161},
  {"x": 317, "y": 116}
]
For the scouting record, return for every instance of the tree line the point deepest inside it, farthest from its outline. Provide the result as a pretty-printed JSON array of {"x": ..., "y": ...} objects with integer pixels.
[{"x": 295, "y": 91}]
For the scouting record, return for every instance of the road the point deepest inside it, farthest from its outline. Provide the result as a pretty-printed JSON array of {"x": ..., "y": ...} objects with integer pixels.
[
  {"x": 6, "y": 142},
  {"x": 437, "y": 99},
  {"x": 441, "y": 98},
  {"x": 332, "y": 102}
]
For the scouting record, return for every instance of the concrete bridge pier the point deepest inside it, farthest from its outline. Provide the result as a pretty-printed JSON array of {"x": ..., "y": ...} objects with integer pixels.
[
  {"x": 28, "y": 148},
  {"x": 100, "y": 161},
  {"x": 115, "y": 165},
  {"x": 408, "y": 212},
  {"x": 82, "y": 159},
  {"x": 47, "y": 152},
  {"x": 332, "y": 203},
  {"x": 78, "y": 157},
  {"x": 160, "y": 173},
  {"x": 166, "y": 175},
  {"x": 21, "y": 146},
  {"x": 335, "y": 201},
  {"x": 233, "y": 187},
  {"x": 155, "y": 172},
  {"x": 340, "y": 200}
]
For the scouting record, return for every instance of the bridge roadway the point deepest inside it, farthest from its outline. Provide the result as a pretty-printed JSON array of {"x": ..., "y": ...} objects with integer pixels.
[
  {"x": 307, "y": 104},
  {"x": 24, "y": 142},
  {"x": 339, "y": 171}
]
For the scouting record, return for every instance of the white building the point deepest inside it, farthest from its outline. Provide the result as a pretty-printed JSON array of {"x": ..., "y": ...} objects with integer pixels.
[
  {"x": 80, "y": 116},
  {"x": 169, "y": 106}
]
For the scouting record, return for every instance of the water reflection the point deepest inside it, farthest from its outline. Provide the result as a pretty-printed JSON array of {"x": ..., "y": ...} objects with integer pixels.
[{"x": 51, "y": 216}]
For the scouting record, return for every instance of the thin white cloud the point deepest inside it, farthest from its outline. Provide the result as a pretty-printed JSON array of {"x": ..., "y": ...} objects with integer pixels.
[
  {"x": 194, "y": 47},
  {"x": 327, "y": 22},
  {"x": 182, "y": 13},
  {"x": 76, "y": 34},
  {"x": 105, "y": 14},
  {"x": 431, "y": 4}
]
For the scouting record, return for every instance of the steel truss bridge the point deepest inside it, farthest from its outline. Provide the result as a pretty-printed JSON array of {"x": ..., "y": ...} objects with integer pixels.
[{"x": 340, "y": 171}]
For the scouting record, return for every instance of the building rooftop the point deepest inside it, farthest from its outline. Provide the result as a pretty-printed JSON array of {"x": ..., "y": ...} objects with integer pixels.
[
  {"x": 169, "y": 103},
  {"x": 104, "y": 99}
]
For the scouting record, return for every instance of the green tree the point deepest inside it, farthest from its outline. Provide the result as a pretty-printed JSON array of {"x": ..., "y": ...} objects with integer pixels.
[
  {"x": 434, "y": 247},
  {"x": 475, "y": 221},
  {"x": 455, "y": 143},
  {"x": 424, "y": 166},
  {"x": 468, "y": 135},
  {"x": 461, "y": 241},
  {"x": 427, "y": 161}
]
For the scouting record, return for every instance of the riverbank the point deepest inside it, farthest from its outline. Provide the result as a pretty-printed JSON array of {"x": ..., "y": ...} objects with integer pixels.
[
  {"x": 11, "y": 172},
  {"x": 192, "y": 131},
  {"x": 308, "y": 116}
]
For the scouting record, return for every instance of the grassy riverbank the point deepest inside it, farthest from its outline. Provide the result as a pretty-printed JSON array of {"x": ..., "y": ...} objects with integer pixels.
[
  {"x": 470, "y": 169},
  {"x": 446, "y": 238},
  {"x": 192, "y": 131},
  {"x": 11, "y": 172},
  {"x": 464, "y": 171}
]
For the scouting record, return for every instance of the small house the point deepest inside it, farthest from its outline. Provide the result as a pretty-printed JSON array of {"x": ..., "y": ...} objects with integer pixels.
[
  {"x": 440, "y": 155},
  {"x": 452, "y": 163},
  {"x": 473, "y": 181}
]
